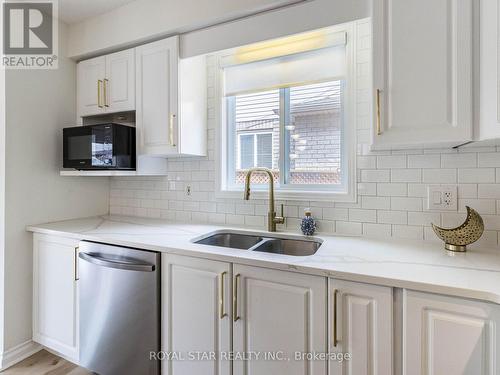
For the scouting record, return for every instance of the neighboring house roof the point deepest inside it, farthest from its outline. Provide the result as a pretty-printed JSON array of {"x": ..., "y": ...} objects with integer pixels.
[
  {"x": 320, "y": 97},
  {"x": 320, "y": 105},
  {"x": 256, "y": 125}
]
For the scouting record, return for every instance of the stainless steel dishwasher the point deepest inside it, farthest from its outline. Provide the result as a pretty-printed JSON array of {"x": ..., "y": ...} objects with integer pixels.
[{"x": 119, "y": 295}]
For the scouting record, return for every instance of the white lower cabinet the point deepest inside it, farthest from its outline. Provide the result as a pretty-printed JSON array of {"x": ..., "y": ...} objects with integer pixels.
[
  {"x": 360, "y": 317},
  {"x": 55, "y": 294},
  {"x": 451, "y": 336},
  {"x": 196, "y": 314},
  {"x": 278, "y": 311},
  {"x": 213, "y": 308}
]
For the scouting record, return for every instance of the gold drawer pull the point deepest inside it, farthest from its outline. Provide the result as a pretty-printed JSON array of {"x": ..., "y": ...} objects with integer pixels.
[
  {"x": 77, "y": 276},
  {"x": 222, "y": 313},
  {"x": 335, "y": 340},
  {"x": 236, "y": 285},
  {"x": 379, "y": 125},
  {"x": 171, "y": 130},
  {"x": 106, "y": 101},
  {"x": 99, "y": 98}
]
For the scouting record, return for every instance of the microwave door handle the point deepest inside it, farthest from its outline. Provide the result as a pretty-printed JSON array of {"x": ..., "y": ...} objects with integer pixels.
[{"x": 104, "y": 262}]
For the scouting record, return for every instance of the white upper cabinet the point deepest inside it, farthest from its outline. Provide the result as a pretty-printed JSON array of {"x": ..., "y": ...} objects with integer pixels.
[
  {"x": 106, "y": 84},
  {"x": 157, "y": 90},
  {"x": 446, "y": 335},
  {"x": 119, "y": 83},
  {"x": 489, "y": 57},
  {"x": 360, "y": 317},
  {"x": 278, "y": 311},
  {"x": 90, "y": 81},
  {"x": 171, "y": 101},
  {"x": 422, "y": 52},
  {"x": 169, "y": 95}
]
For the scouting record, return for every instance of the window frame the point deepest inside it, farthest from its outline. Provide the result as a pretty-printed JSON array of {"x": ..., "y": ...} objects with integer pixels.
[
  {"x": 255, "y": 134},
  {"x": 292, "y": 192}
]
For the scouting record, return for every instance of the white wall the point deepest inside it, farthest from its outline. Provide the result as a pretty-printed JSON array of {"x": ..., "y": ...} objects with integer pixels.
[
  {"x": 143, "y": 20},
  {"x": 39, "y": 103}
]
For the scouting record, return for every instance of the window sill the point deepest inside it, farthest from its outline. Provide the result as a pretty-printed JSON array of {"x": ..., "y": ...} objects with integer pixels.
[{"x": 291, "y": 195}]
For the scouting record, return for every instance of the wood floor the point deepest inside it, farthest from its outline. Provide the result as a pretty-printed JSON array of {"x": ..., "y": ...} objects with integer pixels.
[{"x": 45, "y": 363}]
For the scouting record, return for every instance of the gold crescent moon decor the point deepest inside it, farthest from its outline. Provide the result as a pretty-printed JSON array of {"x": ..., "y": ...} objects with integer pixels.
[{"x": 457, "y": 239}]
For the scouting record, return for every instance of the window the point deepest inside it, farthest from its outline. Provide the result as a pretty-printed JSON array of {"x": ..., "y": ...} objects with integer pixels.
[
  {"x": 288, "y": 113},
  {"x": 255, "y": 150}
]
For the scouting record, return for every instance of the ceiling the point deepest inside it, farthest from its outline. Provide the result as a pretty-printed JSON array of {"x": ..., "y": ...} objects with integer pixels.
[{"x": 74, "y": 11}]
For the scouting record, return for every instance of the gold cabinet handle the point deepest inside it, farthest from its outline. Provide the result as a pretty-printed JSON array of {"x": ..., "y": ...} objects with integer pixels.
[
  {"x": 222, "y": 313},
  {"x": 77, "y": 276},
  {"x": 99, "y": 99},
  {"x": 236, "y": 285},
  {"x": 334, "y": 333},
  {"x": 171, "y": 130},
  {"x": 106, "y": 101},
  {"x": 379, "y": 125}
]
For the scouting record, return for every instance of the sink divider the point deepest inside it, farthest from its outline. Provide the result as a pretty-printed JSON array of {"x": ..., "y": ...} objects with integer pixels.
[{"x": 261, "y": 242}]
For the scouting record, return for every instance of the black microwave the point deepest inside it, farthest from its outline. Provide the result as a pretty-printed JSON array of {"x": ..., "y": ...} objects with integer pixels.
[{"x": 102, "y": 146}]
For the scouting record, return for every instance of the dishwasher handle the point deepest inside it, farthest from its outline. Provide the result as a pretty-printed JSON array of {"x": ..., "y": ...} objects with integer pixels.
[{"x": 105, "y": 262}]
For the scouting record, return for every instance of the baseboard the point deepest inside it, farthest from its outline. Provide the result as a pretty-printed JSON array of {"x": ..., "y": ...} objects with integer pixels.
[{"x": 16, "y": 354}]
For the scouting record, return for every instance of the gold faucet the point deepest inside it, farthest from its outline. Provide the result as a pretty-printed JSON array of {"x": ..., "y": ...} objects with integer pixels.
[{"x": 272, "y": 219}]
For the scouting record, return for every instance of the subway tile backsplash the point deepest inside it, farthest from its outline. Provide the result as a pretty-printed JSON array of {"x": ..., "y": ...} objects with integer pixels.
[
  {"x": 391, "y": 201},
  {"x": 392, "y": 189}
]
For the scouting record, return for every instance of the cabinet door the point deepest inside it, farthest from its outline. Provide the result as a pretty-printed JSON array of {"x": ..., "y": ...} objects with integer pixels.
[
  {"x": 452, "y": 336},
  {"x": 90, "y": 86},
  {"x": 196, "y": 314},
  {"x": 279, "y": 313},
  {"x": 489, "y": 60},
  {"x": 119, "y": 84},
  {"x": 157, "y": 89},
  {"x": 360, "y": 317},
  {"x": 55, "y": 300},
  {"x": 423, "y": 69}
]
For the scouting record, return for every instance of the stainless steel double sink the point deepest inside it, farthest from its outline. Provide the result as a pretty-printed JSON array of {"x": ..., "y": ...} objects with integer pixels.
[{"x": 262, "y": 243}]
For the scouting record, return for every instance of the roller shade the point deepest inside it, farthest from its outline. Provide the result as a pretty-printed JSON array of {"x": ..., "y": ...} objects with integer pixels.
[{"x": 307, "y": 66}]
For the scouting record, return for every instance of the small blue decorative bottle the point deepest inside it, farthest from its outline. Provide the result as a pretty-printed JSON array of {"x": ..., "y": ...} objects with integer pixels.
[{"x": 308, "y": 226}]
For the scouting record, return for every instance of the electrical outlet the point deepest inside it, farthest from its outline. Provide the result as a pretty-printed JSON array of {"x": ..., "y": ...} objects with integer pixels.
[
  {"x": 188, "y": 190},
  {"x": 442, "y": 198}
]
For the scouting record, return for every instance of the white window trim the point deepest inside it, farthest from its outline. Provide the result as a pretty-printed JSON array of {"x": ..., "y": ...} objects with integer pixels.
[{"x": 287, "y": 194}]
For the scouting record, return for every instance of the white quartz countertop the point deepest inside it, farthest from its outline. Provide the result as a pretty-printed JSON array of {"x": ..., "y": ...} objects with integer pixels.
[{"x": 408, "y": 264}]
